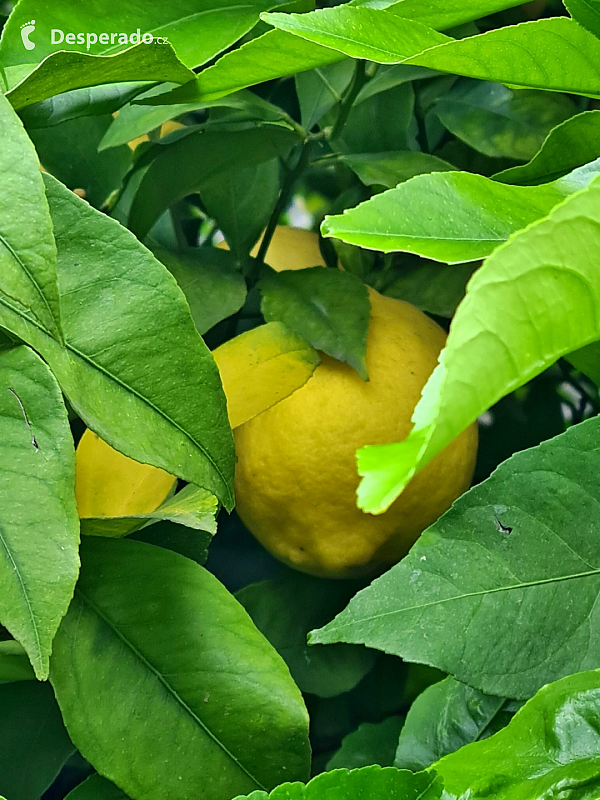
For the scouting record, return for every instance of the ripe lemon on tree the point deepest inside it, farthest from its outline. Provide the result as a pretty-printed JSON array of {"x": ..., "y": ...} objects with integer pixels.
[{"x": 296, "y": 475}]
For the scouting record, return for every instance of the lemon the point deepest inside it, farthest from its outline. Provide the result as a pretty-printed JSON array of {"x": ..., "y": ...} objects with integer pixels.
[
  {"x": 290, "y": 248},
  {"x": 296, "y": 475}
]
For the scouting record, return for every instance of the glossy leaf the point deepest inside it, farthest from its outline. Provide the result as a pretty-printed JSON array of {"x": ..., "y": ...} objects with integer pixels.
[
  {"x": 501, "y": 122},
  {"x": 550, "y": 748},
  {"x": 434, "y": 288},
  {"x": 586, "y": 13},
  {"x": 328, "y": 308},
  {"x": 34, "y": 744},
  {"x": 571, "y": 144},
  {"x": 209, "y": 281},
  {"x": 484, "y": 358},
  {"x": 286, "y": 609},
  {"x": 440, "y": 14},
  {"x": 183, "y": 166},
  {"x": 372, "y": 782},
  {"x": 447, "y": 716},
  {"x": 451, "y": 217},
  {"x": 27, "y": 249},
  {"x": 134, "y": 639},
  {"x": 261, "y": 367},
  {"x": 198, "y": 30},
  {"x": 96, "y": 788},
  {"x": 370, "y": 743},
  {"x": 118, "y": 368},
  {"x": 64, "y": 71},
  {"x": 14, "y": 664},
  {"x": 39, "y": 563},
  {"x": 512, "y": 564},
  {"x": 390, "y": 169}
]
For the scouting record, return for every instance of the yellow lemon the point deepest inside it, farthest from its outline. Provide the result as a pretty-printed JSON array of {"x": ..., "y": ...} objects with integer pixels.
[
  {"x": 290, "y": 248},
  {"x": 296, "y": 476}
]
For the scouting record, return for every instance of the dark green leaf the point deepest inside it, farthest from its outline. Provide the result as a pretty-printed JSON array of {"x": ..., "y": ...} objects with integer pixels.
[
  {"x": 134, "y": 367},
  {"x": 570, "y": 145},
  {"x": 445, "y": 717},
  {"x": 549, "y": 749},
  {"x": 183, "y": 166},
  {"x": 286, "y": 609},
  {"x": 371, "y": 743},
  {"x": 373, "y": 783},
  {"x": 434, "y": 288},
  {"x": 586, "y": 13},
  {"x": 319, "y": 90},
  {"x": 380, "y": 123},
  {"x": 37, "y": 473},
  {"x": 390, "y": 169},
  {"x": 502, "y": 122},
  {"x": 33, "y": 741},
  {"x": 505, "y": 584},
  {"x": 192, "y": 544},
  {"x": 14, "y": 664},
  {"x": 27, "y": 249},
  {"x": 65, "y": 71},
  {"x": 329, "y": 308},
  {"x": 207, "y": 277},
  {"x": 150, "y": 630},
  {"x": 96, "y": 788},
  {"x": 69, "y": 151}
]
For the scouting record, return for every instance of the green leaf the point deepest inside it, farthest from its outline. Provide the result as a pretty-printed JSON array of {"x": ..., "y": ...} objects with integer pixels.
[
  {"x": 96, "y": 788},
  {"x": 370, "y": 743},
  {"x": 319, "y": 90},
  {"x": 193, "y": 507},
  {"x": 501, "y": 122},
  {"x": 184, "y": 165},
  {"x": 94, "y": 101},
  {"x": 485, "y": 358},
  {"x": 69, "y": 151},
  {"x": 511, "y": 565},
  {"x": 207, "y": 277},
  {"x": 14, "y": 664},
  {"x": 390, "y": 169},
  {"x": 531, "y": 54},
  {"x": 550, "y": 748},
  {"x": 149, "y": 629},
  {"x": 445, "y": 717},
  {"x": 241, "y": 200},
  {"x": 452, "y": 217},
  {"x": 197, "y": 29},
  {"x": 27, "y": 249},
  {"x": 371, "y": 782},
  {"x": 586, "y": 13},
  {"x": 380, "y": 36},
  {"x": 329, "y": 308},
  {"x": 587, "y": 360},
  {"x": 34, "y": 744},
  {"x": 65, "y": 71},
  {"x": 434, "y": 288},
  {"x": 39, "y": 564},
  {"x": 192, "y": 544},
  {"x": 134, "y": 368},
  {"x": 380, "y": 123},
  {"x": 571, "y": 144},
  {"x": 440, "y": 14},
  {"x": 286, "y": 609}
]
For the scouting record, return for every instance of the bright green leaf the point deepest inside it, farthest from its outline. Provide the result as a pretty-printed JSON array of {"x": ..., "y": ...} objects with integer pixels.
[
  {"x": 370, "y": 743},
  {"x": 445, "y": 717},
  {"x": 571, "y": 144},
  {"x": 390, "y": 169},
  {"x": 286, "y": 609},
  {"x": 485, "y": 358},
  {"x": 329, "y": 308},
  {"x": 452, "y": 217},
  {"x": 65, "y": 71},
  {"x": 207, "y": 277},
  {"x": 134, "y": 367},
  {"x": 549, "y": 749},
  {"x": 184, "y": 165},
  {"x": 586, "y": 13},
  {"x": 96, "y": 788},
  {"x": 27, "y": 249},
  {"x": 34, "y": 744},
  {"x": 149, "y": 629},
  {"x": 440, "y": 14},
  {"x": 505, "y": 585},
  {"x": 39, "y": 563},
  {"x": 372, "y": 782},
  {"x": 14, "y": 664},
  {"x": 501, "y": 122}
]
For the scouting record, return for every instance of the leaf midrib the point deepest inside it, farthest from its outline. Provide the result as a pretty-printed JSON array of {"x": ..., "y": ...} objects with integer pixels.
[{"x": 144, "y": 661}]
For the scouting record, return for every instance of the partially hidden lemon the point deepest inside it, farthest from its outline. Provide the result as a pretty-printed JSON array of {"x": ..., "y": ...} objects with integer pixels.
[
  {"x": 296, "y": 475},
  {"x": 290, "y": 248}
]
